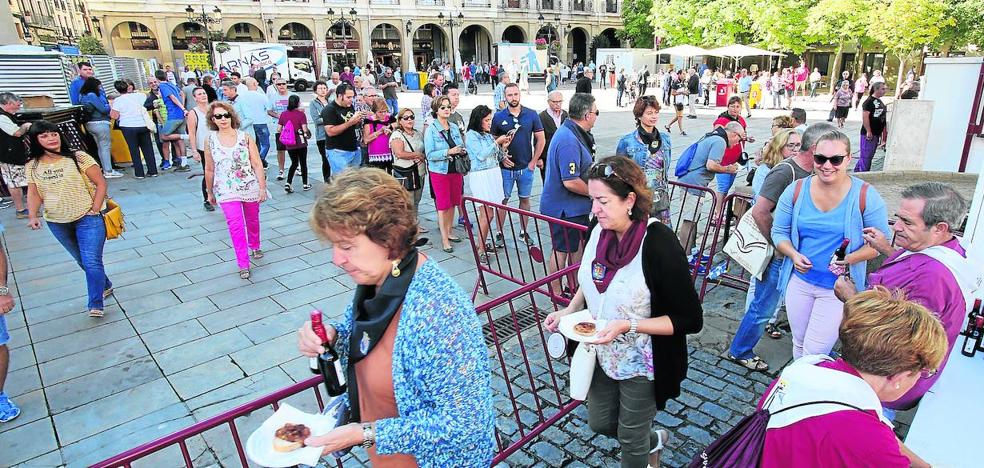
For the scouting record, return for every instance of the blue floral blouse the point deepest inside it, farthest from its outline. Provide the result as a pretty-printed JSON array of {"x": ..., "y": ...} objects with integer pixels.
[
  {"x": 441, "y": 377},
  {"x": 656, "y": 167}
]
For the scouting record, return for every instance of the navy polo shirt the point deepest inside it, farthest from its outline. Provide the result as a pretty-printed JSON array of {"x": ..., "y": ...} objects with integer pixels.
[
  {"x": 521, "y": 148},
  {"x": 567, "y": 158}
]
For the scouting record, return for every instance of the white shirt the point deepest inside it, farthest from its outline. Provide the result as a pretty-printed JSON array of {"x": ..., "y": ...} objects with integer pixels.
[
  {"x": 8, "y": 126},
  {"x": 131, "y": 109}
]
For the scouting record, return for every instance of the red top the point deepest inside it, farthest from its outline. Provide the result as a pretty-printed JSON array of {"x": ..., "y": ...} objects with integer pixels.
[
  {"x": 848, "y": 438},
  {"x": 731, "y": 153}
]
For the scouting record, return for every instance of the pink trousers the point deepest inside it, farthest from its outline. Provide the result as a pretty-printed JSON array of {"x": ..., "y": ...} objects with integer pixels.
[
  {"x": 815, "y": 316},
  {"x": 243, "y": 219}
]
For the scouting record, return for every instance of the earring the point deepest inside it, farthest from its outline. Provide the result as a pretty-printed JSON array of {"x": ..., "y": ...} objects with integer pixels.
[
  {"x": 898, "y": 386},
  {"x": 629, "y": 212},
  {"x": 396, "y": 269}
]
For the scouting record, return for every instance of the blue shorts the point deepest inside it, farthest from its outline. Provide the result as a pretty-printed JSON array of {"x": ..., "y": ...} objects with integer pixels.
[
  {"x": 173, "y": 126},
  {"x": 339, "y": 160},
  {"x": 523, "y": 178},
  {"x": 566, "y": 239},
  {"x": 4, "y": 335},
  {"x": 724, "y": 182}
]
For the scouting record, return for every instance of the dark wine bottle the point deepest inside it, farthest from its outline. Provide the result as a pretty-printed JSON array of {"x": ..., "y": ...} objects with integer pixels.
[
  {"x": 974, "y": 312},
  {"x": 841, "y": 252},
  {"x": 327, "y": 364},
  {"x": 972, "y": 341}
]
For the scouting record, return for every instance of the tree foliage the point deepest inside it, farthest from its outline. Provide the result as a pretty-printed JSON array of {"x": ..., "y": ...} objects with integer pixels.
[
  {"x": 89, "y": 45},
  {"x": 701, "y": 22},
  {"x": 638, "y": 29},
  {"x": 903, "y": 26},
  {"x": 968, "y": 25},
  {"x": 783, "y": 26}
]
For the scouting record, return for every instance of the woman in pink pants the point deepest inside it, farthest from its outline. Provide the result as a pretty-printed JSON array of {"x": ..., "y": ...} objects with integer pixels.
[{"x": 235, "y": 179}]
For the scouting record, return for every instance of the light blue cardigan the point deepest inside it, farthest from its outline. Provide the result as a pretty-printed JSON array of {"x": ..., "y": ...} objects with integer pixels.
[
  {"x": 785, "y": 225},
  {"x": 441, "y": 377}
]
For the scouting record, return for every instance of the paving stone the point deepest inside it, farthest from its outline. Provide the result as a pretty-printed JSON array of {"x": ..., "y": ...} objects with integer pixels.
[
  {"x": 182, "y": 357},
  {"x": 91, "y": 360},
  {"x": 665, "y": 420},
  {"x": 166, "y": 267},
  {"x": 22, "y": 381},
  {"x": 222, "y": 320},
  {"x": 52, "y": 458},
  {"x": 27, "y": 442},
  {"x": 203, "y": 378},
  {"x": 549, "y": 453},
  {"x": 76, "y": 392},
  {"x": 697, "y": 434},
  {"x": 201, "y": 289},
  {"x": 247, "y": 295},
  {"x": 237, "y": 393},
  {"x": 715, "y": 411},
  {"x": 112, "y": 411},
  {"x": 738, "y": 380},
  {"x": 309, "y": 294},
  {"x": 148, "y": 302},
  {"x": 310, "y": 275},
  {"x": 146, "y": 288},
  {"x": 33, "y": 408},
  {"x": 272, "y": 326},
  {"x": 72, "y": 343},
  {"x": 696, "y": 417},
  {"x": 700, "y": 390},
  {"x": 174, "y": 335},
  {"x": 22, "y": 358},
  {"x": 739, "y": 393},
  {"x": 714, "y": 383},
  {"x": 268, "y": 354},
  {"x": 146, "y": 322}
]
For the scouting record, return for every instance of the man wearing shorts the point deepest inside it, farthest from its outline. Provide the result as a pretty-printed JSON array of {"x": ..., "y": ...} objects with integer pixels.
[
  {"x": 174, "y": 126},
  {"x": 523, "y": 153},
  {"x": 341, "y": 124},
  {"x": 706, "y": 163},
  {"x": 565, "y": 192},
  {"x": 8, "y": 411}
]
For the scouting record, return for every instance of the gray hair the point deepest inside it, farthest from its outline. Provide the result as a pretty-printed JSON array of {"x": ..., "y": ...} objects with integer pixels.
[
  {"x": 554, "y": 93},
  {"x": 580, "y": 105},
  {"x": 734, "y": 127},
  {"x": 943, "y": 203},
  {"x": 878, "y": 85},
  {"x": 813, "y": 133},
  {"x": 228, "y": 84},
  {"x": 7, "y": 98}
]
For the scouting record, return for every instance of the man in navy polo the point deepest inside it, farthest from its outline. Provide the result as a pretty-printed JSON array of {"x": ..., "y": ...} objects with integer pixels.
[
  {"x": 565, "y": 192},
  {"x": 523, "y": 153}
]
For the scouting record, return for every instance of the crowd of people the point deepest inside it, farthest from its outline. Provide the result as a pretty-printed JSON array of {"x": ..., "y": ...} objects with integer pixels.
[{"x": 427, "y": 399}]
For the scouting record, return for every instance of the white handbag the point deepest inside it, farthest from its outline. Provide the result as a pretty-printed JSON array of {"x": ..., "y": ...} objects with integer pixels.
[
  {"x": 582, "y": 371},
  {"x": 749, "y": 247}
]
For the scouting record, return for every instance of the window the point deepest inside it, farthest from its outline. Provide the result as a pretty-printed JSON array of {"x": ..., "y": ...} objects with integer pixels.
[
  {"x": 874, "y": 61},
  {"x": 611, "y": 6}
]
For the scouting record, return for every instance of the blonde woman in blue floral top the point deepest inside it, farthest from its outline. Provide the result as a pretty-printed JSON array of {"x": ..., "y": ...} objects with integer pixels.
[
  {"x": 419, "y": 382},
  {"x": 635, "y": 276},
  {"x": 234, "y": 179}
]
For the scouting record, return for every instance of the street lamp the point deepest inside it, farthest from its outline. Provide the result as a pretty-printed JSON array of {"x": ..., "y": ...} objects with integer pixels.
[
  {"x": 205, "y": 19},
  {"x": 550, "y": 26},
  {"x": 346, "y": 23},
  {"x": 451, "y": 22}
]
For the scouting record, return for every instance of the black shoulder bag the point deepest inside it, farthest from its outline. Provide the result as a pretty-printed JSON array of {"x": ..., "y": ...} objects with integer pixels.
[{"x": 459, "y": 163}]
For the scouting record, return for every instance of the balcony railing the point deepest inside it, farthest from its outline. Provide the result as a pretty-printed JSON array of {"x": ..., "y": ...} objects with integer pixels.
[
  {"x": 514, "y": 4},
  {"x": 478, "y": 3}
]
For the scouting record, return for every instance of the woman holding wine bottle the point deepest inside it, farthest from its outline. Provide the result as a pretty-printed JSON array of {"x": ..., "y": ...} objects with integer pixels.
[
  {"x": 812, "y": 218},
  {"x": 424, "y": 399}
]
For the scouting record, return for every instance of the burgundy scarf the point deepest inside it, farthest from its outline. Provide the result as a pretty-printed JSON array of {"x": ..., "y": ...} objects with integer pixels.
[{"x": 613, "y": 254}]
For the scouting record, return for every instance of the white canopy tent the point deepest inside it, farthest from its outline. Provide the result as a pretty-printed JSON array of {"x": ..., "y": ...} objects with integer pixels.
[
  {"x": 741, "y": 50},
  {"x": 682, "y": 51}
]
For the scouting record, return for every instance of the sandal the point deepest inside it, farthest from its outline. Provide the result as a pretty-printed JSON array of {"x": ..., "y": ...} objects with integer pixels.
[
  {"x": 257, "y": 254},
  {"x": 774, "y": 332},
  {"x": 454, "y": 239},
  {"x": 662, "y": 436},
  {"x": 244, "y": 274},
  {"x": 96, "y": 313},
  {"x": 107, "y": 293},
  {"x": 422, "y": 230},
  {"x": 448, "y": 249},
  {"x": 483, "y": 258},
  {"x": 755, "y": 363}
]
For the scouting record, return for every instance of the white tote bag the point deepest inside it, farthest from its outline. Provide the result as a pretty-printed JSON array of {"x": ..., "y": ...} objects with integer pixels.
[
  {"x": 582, "y": 371},
  {"x": 749, "y": 247}
]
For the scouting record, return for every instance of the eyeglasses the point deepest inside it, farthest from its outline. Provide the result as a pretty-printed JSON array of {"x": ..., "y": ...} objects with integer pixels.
[
  {"x": 596, "y": 112},
  {"x": 794, "y": 146},
  {"x": 407, "y": 117},
  {"x": 835, "y": 160},
  {"x": 603, "y": 170},
  {"x": 221, "y": 116},
  {"x": 281, "y": 84},
  {"x": 927, "y": 373}
]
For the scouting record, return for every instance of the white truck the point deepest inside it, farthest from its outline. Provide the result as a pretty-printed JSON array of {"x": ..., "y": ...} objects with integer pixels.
[{"x": 241, "y": 56}]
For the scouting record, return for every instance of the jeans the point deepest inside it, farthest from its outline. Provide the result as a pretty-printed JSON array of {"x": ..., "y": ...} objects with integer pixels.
[
  {"x": 618, "y": 100},
  {"x": 765, "y": 297},
  {"x": 624, "y": 409},
  {"x": 138, "y": 140},
  {"x": 341, "y": 160},
  {"x": 243, "y": 220},
  {"x": 394, "y": 105},
  {"x": 813, "y": 88},
  {"x": 262, "y": 132},
  {"x": 325, "y": 165},
  {"x": 815, "y": 316},
  {"x": 100, "y": 131},
  {"x": 84, "y": 240}
]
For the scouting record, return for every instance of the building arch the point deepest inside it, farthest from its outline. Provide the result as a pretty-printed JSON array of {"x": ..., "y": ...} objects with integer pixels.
[
  {"x": 245, "y": 31},
  {"x": 475, "y": 44},
  {"x": 342, "y": 45},
  {"x": 578, "y": 42},
  {"x": 430, "y": 43},
  {"x": 187, "y": 33},
  {"x": 610, "y": 38},
  {"x": 133, "y": 36},
  {"x": 386, "y": 44},
  {"x": 514, "y": 34}
]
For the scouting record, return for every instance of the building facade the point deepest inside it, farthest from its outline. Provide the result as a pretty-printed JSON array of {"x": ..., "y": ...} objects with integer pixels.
[
  {"x": 51, "y": 22},
  {"x": 405, "y": 33}
]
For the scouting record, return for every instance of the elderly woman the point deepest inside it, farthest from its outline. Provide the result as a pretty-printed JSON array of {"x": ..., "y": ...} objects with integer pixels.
[
  {"x": 72, "y": 189},
  {"x": 841, "y": 99},
  {"x": 485, "y": 178},
  {"x": 650, "y": 149},
  {"x": 409, "y": 161},
  {"x": 419, "y": 382},
  {"x": 430, "y": 92},
  {"x": 443, "y": 143},
  {"x": 889, "y": 344},
  {"x": 235, "y": 180},
  {"x": 812, "y": 217},
  {"x": 634, "y": 275}
]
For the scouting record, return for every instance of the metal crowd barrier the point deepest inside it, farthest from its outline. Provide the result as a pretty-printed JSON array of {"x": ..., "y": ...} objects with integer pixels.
[
  {"x": 734, "y": 206},
  {"x": 684, "y": 206}
]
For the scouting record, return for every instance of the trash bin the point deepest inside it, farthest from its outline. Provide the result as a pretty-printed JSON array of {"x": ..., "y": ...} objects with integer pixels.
[
  {"x": 755, "y": 95},
  {"x": 723, "y": 88},
  {"x": 423, "y": 79},
  {"x": 413, "y": 81}
]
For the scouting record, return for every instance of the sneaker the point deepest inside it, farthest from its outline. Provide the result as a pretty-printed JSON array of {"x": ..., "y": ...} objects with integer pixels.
[
  {"x": 288, "y": 188},
  {"x": 8, "y": 410},
  {"x": 717, "y": 271},
  {"x": 182, "y": 169},
  {"x": 306, "y": 187},
  {"x": 153, "y": 175},
  {"x": 112, "y": 175},
  {"x": 704, "y": 259},
  {"x": 22, "y": 214},
  {"x": 265, "y": 164},
  {"x": 166, "y": 165},
  {"x": 138, "y": 177},
  {"x": 209, "y": 207},
  {"x": 280, "y": 175},
  {"x": 526, "y": 238},
  {"x": 500, "y": 241}
]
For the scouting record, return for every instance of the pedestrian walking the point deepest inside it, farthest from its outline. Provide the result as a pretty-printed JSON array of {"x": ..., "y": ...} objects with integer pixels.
[
  {"x": 8, "y": 410},
  {"x": 129, "y": 112},
  {"x": 315, "y": 109},
  {"x": 276, "y": 105},
  {"x": 874, "y": 128},
  {"x": 842, "y": 103},
  {"x": 198, "y": 132},
  {"x": 13, "y": 154},
  {"x": 293, "y": 132}
]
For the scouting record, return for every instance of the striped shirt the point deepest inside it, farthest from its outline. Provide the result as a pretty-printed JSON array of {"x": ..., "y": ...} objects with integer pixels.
[{"x": 63, "y": 189}]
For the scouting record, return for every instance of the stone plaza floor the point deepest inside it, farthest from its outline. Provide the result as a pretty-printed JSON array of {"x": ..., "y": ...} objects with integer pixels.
[{"x": 184, "y": 338}]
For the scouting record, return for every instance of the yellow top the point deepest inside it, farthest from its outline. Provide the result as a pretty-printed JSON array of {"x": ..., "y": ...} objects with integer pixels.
[{"x": 64, "y": 190}]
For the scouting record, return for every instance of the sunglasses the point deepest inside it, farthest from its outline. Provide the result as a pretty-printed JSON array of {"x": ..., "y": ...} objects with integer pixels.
[
  {"x": 604, "y": 171},
  {"x": 597, "y": 112},
  {"x": 444, "y": 108},
  {"x": 221, "y": 116},
  {"x": 407, "y": 117},
  {"x": 281, "y": 84},
  {"x": 835, "y": 161}
]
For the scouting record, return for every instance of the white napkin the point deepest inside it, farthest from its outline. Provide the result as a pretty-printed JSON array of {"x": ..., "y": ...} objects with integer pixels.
[{"x": 259, "y": 446}]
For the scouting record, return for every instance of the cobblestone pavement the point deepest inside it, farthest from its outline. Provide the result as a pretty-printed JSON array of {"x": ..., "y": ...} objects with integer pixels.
[{"x": 184, "y": 338}]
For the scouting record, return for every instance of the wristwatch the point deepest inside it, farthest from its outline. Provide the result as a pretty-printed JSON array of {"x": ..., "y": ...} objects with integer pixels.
[
  {"x": 368, "y": 435},
  {"x": 633, "y": 325},
  {"x": 4, "y": 291}
]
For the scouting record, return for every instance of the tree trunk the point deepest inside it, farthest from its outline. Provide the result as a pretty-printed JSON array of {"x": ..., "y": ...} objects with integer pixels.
[
  {"x": 859, "y": 61},
  {"x": 898, "y": 80},
  {"x": 835, "y": 70}
]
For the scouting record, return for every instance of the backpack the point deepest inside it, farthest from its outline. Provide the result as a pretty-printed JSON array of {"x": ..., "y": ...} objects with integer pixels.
[
  {"x": 288, "y": 134},
  {"x": 683, "y": 164}
]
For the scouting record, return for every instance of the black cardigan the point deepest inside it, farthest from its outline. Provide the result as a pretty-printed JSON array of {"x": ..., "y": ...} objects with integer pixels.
[{"x": 672, "y": 293}]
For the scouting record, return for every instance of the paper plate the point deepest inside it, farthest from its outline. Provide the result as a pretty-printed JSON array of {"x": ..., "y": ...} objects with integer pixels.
[
  {"x": 567, "y": 326},
  {"x": 259, "y": 446}
]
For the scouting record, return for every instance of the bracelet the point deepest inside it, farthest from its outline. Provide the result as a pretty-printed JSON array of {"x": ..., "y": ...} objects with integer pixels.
[
  {"x": 633, "y": 325},
  {"x": 368, "y": 435}
]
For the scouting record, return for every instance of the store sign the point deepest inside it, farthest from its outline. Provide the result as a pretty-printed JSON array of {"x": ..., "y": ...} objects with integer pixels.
[
  {"x": 296, "y": 42},
  {"x": 143, "y": 43},
  {"x": 333, "y": 44}
]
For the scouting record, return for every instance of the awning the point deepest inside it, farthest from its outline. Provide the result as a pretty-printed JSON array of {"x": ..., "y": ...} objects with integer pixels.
[
  {"x": 741, "y": 50},
  {"x": 683, "y": 51}
]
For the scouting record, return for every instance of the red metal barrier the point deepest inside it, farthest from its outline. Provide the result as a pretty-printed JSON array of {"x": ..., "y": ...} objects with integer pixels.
[
  {"x": 698, "y": 204},
  {"x": 734, "y": 276}
]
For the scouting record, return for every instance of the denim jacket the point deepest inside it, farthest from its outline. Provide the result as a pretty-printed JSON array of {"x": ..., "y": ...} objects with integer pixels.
[
  {"x": 656, "y": 168},
  {"x": 436, "y": 147},
  {"x": 99, "y": 105},
  {"x": 482, "y": 150},
  {"x": 441, "y": 376}
]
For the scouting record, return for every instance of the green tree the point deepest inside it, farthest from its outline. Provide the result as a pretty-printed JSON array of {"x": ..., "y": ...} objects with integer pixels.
[
  {"x": 638, "y": 29},
  {"x": 838, "y": 22},
  {"x": 89, "y": 45},
  {"x": 903, "y": 26},
  {"x": 705, "y": 23},
  {"x": 782, "y": 24},
  {"x": 968, "y": 17}
]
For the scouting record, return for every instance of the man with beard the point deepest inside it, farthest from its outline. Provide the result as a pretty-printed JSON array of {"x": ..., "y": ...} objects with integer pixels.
[{"x": 523, "y": 153}]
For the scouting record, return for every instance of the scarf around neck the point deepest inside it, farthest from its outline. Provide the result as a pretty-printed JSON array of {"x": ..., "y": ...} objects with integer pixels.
[
  {"x": 613, "y": 254},
  {"x": 374, "y": 309},
  {"x": 652, "y": 140}
]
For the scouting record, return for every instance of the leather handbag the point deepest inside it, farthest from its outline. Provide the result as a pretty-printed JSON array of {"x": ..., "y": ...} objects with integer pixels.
[
  {"x": 113, "y": 217},
  {"x": 749, "y": 247}
]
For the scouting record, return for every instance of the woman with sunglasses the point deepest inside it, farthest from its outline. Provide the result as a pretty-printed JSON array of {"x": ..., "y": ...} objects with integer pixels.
[
  {"x": 812, "y": 217},
  {"x": 443, "y": 142},
  {"x": 72, "y": 189},
  {"x": 650, "y": 149},
  {"x": 634, "y": 274},
  {"x": 235, "y": 180},
  {"x": 409, "y": 161}
]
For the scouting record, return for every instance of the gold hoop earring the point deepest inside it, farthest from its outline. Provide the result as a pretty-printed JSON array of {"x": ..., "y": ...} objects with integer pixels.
[{"x": 396, "y": 269}]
